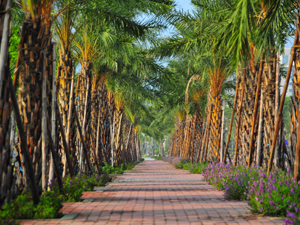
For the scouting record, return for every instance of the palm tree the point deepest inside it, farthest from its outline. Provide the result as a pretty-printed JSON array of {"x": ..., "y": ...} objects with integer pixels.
[{"x": 35, "y": 67}]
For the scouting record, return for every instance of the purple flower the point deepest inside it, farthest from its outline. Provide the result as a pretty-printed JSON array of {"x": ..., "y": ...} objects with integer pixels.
[
  {"x": 292, "y": 215},
  {"x": 288, "y": 221}
]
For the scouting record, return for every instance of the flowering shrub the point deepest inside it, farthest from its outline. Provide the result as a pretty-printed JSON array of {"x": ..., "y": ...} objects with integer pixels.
[
  {"x": 274, "y": 195},
  {"x": 232, "y": 180},
  {"x": 292, "y": 219}
]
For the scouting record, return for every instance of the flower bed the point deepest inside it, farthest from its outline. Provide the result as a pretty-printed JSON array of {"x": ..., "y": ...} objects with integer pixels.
[{"x": 276, "y": 194}]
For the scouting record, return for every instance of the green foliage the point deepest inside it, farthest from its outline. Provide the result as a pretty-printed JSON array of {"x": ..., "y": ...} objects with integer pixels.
[
  {"x": 13, "y": 48},
  {"x": 181, "y": 163},
  {"x": 198, "y": 167},
  {"x": 108, "y": 169},
  {"x": 157, "y": 157},
  {"x": 8, "y": 222},
  {"x": 23, "y": 207}
]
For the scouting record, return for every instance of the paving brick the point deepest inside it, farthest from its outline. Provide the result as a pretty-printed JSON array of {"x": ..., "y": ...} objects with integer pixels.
[{"x": 154, "y": 192}]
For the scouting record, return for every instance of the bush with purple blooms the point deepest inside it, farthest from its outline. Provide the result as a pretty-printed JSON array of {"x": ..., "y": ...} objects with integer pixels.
[{"x": 276, "y": 194}]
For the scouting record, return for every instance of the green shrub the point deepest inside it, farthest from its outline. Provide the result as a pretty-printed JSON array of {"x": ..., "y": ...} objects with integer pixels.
[
  {"x": 23, "y": 207},
  {"x": 197, "y": 168},
  {"x": 8, "y": 222},
  {"x": 157, "y": 157}
]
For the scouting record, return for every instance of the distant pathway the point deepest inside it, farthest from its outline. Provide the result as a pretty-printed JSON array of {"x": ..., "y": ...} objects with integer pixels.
[{"x": 154, "y": 192}]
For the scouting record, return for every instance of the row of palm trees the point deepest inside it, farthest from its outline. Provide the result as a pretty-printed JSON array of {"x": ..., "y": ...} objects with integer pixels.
[
  {"x": 224, "y": 41},
  {"x": 80, "y": 101}
]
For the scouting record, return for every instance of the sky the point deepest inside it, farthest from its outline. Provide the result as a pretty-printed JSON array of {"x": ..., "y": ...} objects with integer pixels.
[{"x": 184, "y": 5}]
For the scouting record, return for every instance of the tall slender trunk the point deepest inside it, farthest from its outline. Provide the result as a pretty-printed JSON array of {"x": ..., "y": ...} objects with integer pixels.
[
  {"x": 70, "y": 122},
  {"x": 254, "y": 117},
  {"x": 6, "y": 169},
  {"x": 277, "y": 102},
  {"x": 222, "y": 130},
  {"x": 239, "y": 114},
  {"x": 278, "y": 120},
  {"x": 260, "y": 130},
  {"x": 232, "y": 118},
  {"x": 53, "y": 114},
  {"x": 84, "y": 123},
  {"x": 5, "y": 21}
]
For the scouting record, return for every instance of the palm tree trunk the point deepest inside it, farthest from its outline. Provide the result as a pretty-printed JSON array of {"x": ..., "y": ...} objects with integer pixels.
[
  {"x": 255, "y": 113},
  {"x": 214, "y": 140},
  {"x": 84, "y": 123},
  {"x": 65, "y": 145},
  {"x": 24, "y": 147},
  {"x": 278, "y": 120},
  {"x": 206, "y": 138},
  {"x": 83, "y": 141},
  {"x": 239, "y": 114}
]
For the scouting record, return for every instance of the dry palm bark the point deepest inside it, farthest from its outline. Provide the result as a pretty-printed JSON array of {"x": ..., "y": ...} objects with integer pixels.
[
  {"x": 36, "y": 43},
  {"x": 104, "y": 122},
  {"x": 217, "y": 77},
  {"x": 6, "y": 170},
  {"x": 186, "y": 141},
  {"x": 84, "y": 107},
  {"x": 198, "y": 131},
  {"x": 249, "y": 84},
  {"x": 65, "y": 79},
  {"x": 269, "y": 79}
]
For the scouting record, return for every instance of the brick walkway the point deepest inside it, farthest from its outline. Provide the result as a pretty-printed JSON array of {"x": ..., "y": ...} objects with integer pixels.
[{"x": 156, "y": 193}]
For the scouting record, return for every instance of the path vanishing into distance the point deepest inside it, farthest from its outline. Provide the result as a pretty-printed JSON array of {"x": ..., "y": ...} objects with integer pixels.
[{"x": 154, "y": 192}]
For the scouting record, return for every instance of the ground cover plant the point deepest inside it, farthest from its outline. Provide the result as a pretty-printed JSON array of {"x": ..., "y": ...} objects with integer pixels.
[
  {"x": 109, "y": 169},
  {"x": 51, "y": 201},
  {"x": 182, "y": 163},
  {"x": 23, "y": 207},
  {"x": 159, "y": 157},
  {"x": 276, "y": 194}
]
